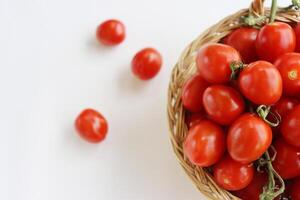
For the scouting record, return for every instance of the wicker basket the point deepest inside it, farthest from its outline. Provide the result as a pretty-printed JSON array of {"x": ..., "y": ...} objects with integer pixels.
[{"x": 186, "y": 67}]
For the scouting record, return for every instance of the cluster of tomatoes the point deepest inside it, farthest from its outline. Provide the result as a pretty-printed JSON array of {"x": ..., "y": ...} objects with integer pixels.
[
  {"x": 146, "y": 63},
  {"x": 243, "y": 103}
]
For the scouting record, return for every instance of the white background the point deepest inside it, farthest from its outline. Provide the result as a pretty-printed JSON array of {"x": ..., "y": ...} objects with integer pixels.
[{"x": 52, "y": 67}]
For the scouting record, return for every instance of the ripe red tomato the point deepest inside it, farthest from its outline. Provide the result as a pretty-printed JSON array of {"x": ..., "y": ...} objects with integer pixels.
[
  {"x": 274, "y": 40},
  {"x": 193, "y": 119},
  {"x": 248, "y": 138},
  {"x": 290, "y": 127},
  {"x": 284, "y": 106},
  {"x": 232, "y": 175},
  {"x": 254, "y": 189},
  {"x": 289, "y": 68},
  {"x": 205, "y": 144},
  {"x": 223, "y": 104},
  {"x": 261, "y": 83},
  {"x": 287, "y": 161},
  {"x": 297, "y": 32},
  {"x": 295, "y": 189},
  {"x": 111, "y": 32},
  {"x": 91, "y": 126},
  {"x": 213, "y": 62},
  {"x": 243, "y": 39},
  {"x": 192, "y": 93},
  {"x": 146, "y": 63}
]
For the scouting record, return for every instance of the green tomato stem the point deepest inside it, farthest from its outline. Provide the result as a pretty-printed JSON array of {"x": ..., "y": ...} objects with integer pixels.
[
  {"x": 269, "y": 191},
  {"x": 263, "y": 111},
  {"x": 273, "y": 11}
]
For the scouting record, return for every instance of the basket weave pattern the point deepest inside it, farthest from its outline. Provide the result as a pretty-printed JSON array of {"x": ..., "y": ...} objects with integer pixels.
[{"x": 184, "y": 69}]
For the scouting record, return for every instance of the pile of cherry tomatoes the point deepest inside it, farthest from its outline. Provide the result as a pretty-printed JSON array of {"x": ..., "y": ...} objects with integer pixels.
[{"x": 243, "y": 110}]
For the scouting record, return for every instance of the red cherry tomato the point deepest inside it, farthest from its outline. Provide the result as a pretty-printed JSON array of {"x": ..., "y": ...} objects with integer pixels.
[
  {"x": 213, "y": 62},
  {"x": 192, "y": 93},
  {"x": 232, "y": 175},
  {"x": 254, "y": 189},
  {"x": 111, "y": 32},
  {"x": 91, "y": 126},
  {"x": 290, "y": 127},
  {"x": 223, "y": 104},
  {"x": 297, "y": 32},
  {"x": 205, "y": 144},
  {"x": 284, "y": 106},
  {"x": 287, "y": 161},
  {"x": 261, "y": 83},
  {"x": 274, "y": 40},
  {"x": 248, "y": 138},
  {"x": 295, "y": 189},
  {"x": 289, "y": 68},
  {"x": 243, "y": 39},
  {"x": 193, "y": 119},
  {"x": 146, "y": 63}
]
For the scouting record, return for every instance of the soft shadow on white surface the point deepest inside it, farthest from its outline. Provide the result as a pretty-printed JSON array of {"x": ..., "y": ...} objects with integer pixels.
[{"x": 128, "y": 83}]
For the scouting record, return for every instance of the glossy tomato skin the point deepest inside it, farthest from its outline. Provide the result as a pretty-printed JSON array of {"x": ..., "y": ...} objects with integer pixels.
[
  {"x": 91, "y": 126},
  {"x": 243, "y": 39},
  {"x": 193, "y": 119},
  {"x": 146, "y": 63},
  {"x": 232, "y": 175},
  {"x": 289, "y": 68},
  {"x": 213, "y": 62},
  {"x": 295, "y": 189},
  {"x": 290, "y": 127},
  {"x": 255, "y": 188},
  {"x": 248, "y": 138},
  {"x": 287, "y": 161},
  {"x": 297, "y": 32},
  {"x": 223, "y": 104},
  {"x": 111, "y": 32},
  {"x": 274, "y": 40},
  {"x": 192, "y": 93},
  {"x": 261, "y": 83},
  {"x": 284, "y": 106},
  {"x": 205, "y": 144}
]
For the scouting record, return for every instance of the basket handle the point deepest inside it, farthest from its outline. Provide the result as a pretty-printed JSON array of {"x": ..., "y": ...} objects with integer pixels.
[{"x": 257, "y": 8}]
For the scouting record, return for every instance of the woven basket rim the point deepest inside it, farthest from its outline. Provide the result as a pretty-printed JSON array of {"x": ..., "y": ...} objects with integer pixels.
[{"x": 184, "y": 69}]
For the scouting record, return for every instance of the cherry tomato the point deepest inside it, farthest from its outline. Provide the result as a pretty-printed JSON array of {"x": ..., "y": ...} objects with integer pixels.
[
  {"x": 91, "y": 126},
  {"x": 295, "y": 189},
  {"x": 289, "y": 68},
  {"x": 254, "y": 189},
  {"x": 232, "y": 175},
  {"x": 193, "y": 119},
  {"x": 192, "y": 93},
  {"x": 261, "y": 83},
  {"x": 297, "y": 32},
  {"x": 243, "y": 39},
  {"x": 223, "y": 104},
  {"x": 248, "y": 138},
  {"x": 290, "y": 127},
  {"x": 205, "y": 144},
  {"x": 274, "y": 40},
  {"x": 287, "y": 160},
  {"x": 213, "y": 62},
  {"x": 284, "y": 106},
  {"x": 111, "y": 32},
  {"x": 146, "y": 63}
]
